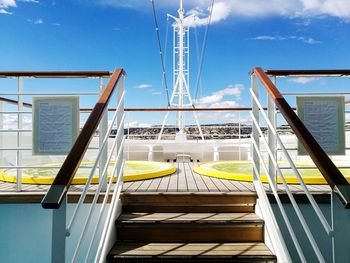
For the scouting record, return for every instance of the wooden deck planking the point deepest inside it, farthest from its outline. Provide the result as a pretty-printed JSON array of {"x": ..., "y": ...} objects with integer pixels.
[
  {"x": 182, "y": 185},
  {"x": 134, "y": 186},
  {"x": 183, "y": 180},
  {"x": 153, "y": 187},
  {"x": 145, "y": 185},
  {"x": 191, "y": 183},
  {"x": 219, "y": 185},
  {"x": 172, "y": 186},
  {"x": 164, "y": 183},
  {"x": 202, "y": 187}
]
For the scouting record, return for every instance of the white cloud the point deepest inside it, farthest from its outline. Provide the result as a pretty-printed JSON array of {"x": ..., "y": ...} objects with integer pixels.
[
  {"x": 303, "y": 80},
  {"x": 247, "y": 8},
  {"x": 306, "y": 40},
  {"x": 10, "y": 122},
  {"x": 38, "y": 22},
  {"x": 30, "y": 1},
  {"x": 56, "y": 24},
  {"x": 156, "y": 93},
  {"x": 136, "y": 124},
  {"x": 200, "y": 18},
  {"x": 4, "y": 12},
  {"x": 5, "y": 5},
  {"x": 272, "y": 38},
  {"x": 143, "y": 86},
  {"x": 223, "y": 98}
]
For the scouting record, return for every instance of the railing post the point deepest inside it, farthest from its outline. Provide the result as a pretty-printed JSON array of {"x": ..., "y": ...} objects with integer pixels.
[
  {"x": 272, "y": 140},
  {"x": 341, "y": 229},
  {"x": 19, "y": 133},
  {"x": 2, "y": 161},
  {"x": 120, "y": 114},
  {"x": 103, "y": 128},
  {"x": 58, "y": 246},
  {"x": 239, "y": 136},
  {"x": 255, "y": 132}
]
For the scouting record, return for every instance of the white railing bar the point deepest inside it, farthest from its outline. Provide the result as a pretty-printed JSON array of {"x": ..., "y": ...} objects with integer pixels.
[
  {"x": 296, "y": 208},
  {"x": 88, "y": 182},
  {"x": 16, "y": 130},
  {"x": 15, "y": 112},
  {"x": 347, "y": 111},
  {"x": 312, "y": 167},
  {"x": 30, "y": 149},
  {"x": 33, "y": 167},
  {"x": 54, "y": 94},
  {"x": 93, "y": 203},
  {"x": 295, "y": 149},
  {"x": 263, "y": 196},
  {"x": 319, "y": 213},
  {"x": 315, "y": 93},
  {"x": 313, "y": 203},
  {"x": 279, "y": 203},
  {"x": 114, "y": 202},
  {"x": 30, "y": 112},
  {"x": 120, "y": 174},
  {"x": 15, "y": 149}
]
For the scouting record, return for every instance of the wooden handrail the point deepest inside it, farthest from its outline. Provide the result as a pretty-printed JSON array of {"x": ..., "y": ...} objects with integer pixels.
[
  {"x": 331, "y": 173},
  {"x": 310, "y": 72},
  {"x": 15, "y": 102},
  {"x": 60, "y": 185},
  {"x": 54, "y": 74}
]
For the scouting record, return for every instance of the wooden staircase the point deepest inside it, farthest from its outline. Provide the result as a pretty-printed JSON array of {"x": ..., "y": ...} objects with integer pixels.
[{"x": 189, "y": 227}]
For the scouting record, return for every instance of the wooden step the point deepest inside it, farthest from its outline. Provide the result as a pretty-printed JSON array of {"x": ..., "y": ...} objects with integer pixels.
[
  {"x": 190, "y": 252},
  {"x": 188, "y": 202},
  {"x": 190, "y": 227}
]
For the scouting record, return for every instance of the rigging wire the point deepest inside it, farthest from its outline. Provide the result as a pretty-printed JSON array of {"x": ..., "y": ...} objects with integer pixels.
[
  {"x": 160, "y": 51},
  {"x": 203, "y": 51},
  {"x": 197, "y": 51},
  {"x": 165, "y": 52}
]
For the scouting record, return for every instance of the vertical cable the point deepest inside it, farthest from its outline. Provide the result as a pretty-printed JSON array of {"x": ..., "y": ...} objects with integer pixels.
[
  {"x": 203, "y": 50},
  {"x": 160, "y": 51}
]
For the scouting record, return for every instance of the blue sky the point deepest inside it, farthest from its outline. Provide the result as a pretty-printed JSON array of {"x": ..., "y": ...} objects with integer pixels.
[{"x": 104, "y": 34}]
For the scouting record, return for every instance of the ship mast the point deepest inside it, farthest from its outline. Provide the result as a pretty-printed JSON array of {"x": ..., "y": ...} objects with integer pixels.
[{"x": 181, "y": 97}]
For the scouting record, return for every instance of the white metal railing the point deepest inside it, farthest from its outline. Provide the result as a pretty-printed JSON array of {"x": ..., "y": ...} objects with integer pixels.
[
  {"x": 94, "y": 221},
  {"x": 20, "y": 130},
  {"x": 237, "y": 130},
  {"x": 118, "y": 140},
  {"x": 108, "y": 151},
  {"x": 273, "y": 170}
]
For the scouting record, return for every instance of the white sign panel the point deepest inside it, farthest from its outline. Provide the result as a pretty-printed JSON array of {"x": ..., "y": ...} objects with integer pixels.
[
  {"x": 324, "y": 117},
  {"x": 55, "y": 124}
]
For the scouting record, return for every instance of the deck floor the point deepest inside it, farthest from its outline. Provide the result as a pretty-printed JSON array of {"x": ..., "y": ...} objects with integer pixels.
[
  {"x": 186, "y": 180},
  {"x": 183, "y": 180}
]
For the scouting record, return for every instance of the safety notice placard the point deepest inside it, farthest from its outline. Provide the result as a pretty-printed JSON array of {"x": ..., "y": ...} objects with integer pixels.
[
  {"x": 325, "y": 119},
  {"x": 55, "y": 124}
]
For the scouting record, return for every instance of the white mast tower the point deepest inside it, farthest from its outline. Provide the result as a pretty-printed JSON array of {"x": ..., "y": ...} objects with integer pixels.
[{"x": 181, "y": 97}]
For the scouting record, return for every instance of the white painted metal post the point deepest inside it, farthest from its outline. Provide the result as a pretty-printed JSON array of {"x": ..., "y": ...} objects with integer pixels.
[
  {"x": 2, "y": 160},
  {"x": 58, "y": 246},
  {"x": 19, "y": 133},
  {"x": 119, "y": 120},
  {"x": 341, "y": 229},
  {"x": 103, "y": 128},
  {"x": 216, "y": 155},
  {"x": 255, "y": 132},
  {"x": 239, "y": 136},
  {"x": 128, "y": 135},
  {"x": 272, "y": 140}
]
